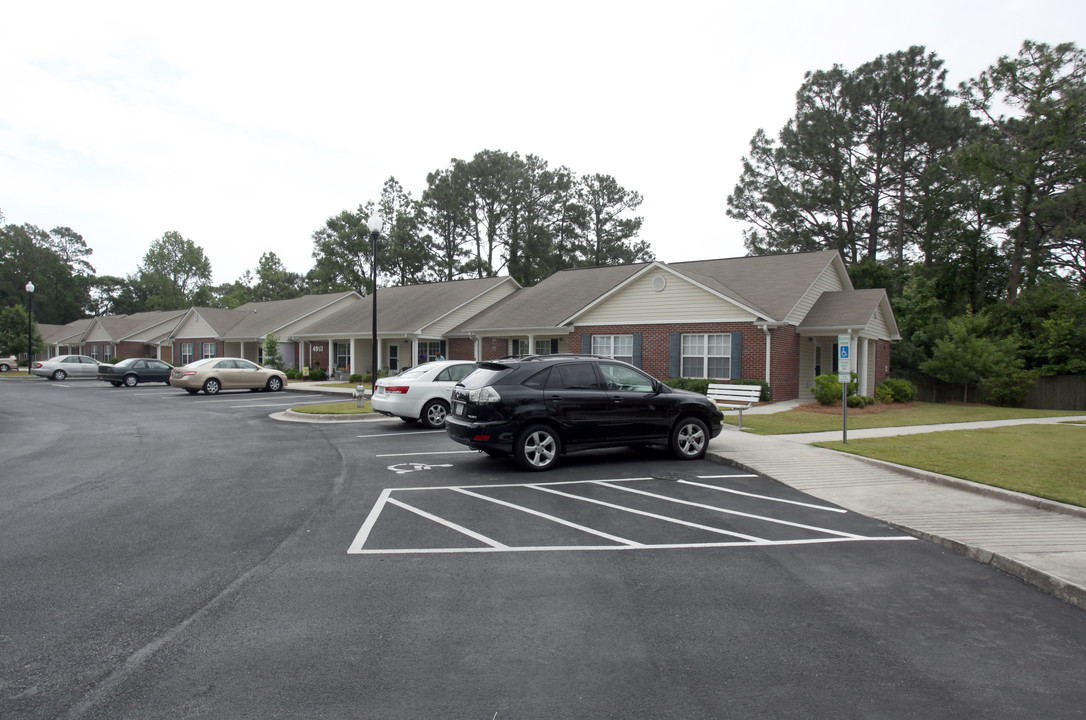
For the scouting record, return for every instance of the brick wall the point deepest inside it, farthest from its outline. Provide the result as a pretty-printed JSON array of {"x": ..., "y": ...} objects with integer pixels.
[
  {"x": 784, "y": 371},
  {"x": 494, "y": 348},
  {"x": 882, "y": 361},
  {"x": 461, "y": 349}
]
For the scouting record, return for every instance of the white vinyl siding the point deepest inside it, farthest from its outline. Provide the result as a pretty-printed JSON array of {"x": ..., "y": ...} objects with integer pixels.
[
  {"x": 679, "y": 301},
  {"x": 827, "y": 281},
  {"x": 470, "y": 309}
]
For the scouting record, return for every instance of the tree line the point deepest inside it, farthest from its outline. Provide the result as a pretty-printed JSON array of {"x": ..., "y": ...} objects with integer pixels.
[{"x": 967, "y": 204}]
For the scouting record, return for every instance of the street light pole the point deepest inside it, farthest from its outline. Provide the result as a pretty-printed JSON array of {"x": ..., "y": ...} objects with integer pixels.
[
  {"x": 29, "y": 322},
  {"x": 374, "y": 224}
]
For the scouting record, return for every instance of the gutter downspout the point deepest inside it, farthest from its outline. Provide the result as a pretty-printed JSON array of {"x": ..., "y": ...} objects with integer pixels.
[{"x": 767, "y": 327}]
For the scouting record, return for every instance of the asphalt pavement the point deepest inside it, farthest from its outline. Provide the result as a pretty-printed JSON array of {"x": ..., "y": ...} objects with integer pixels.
[{"x": 1039, "y": 541}]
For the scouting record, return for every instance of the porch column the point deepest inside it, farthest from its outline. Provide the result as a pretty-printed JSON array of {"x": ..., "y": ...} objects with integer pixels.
[
  {"x": 861, "y": 369},
  {"x": 352, "y": 370},
  {"x": 414, "y": 351},
  {"x": 531, "y": 345},
  {"x": 380, "y": 357}
]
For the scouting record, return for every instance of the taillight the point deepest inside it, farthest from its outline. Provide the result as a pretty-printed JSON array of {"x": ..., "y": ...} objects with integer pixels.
[
  {"x": 397, "y": 389},
  {"x": 484, "y": 395}
]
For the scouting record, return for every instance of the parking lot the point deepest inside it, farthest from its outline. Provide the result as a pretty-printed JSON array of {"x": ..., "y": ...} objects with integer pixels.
[{"x": 164, "y": 554}]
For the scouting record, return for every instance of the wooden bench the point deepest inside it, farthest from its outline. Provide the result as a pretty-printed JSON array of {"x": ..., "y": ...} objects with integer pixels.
[{"x": 735, "y": 397}]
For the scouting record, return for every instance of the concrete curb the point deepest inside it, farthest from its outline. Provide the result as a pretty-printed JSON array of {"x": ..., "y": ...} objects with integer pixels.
[{"x": 291, "y": 416}]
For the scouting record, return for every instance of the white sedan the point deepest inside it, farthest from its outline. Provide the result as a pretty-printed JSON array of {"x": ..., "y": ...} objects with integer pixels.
[{"x": 420, "y": 393}]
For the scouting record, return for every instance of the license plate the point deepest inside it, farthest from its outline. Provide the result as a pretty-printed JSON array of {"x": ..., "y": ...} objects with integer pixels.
[{"x": 458, "y": 408}]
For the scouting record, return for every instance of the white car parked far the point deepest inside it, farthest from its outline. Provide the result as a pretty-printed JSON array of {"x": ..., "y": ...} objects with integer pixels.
[
  {"x": 422, "y": 392},
  {"x": 8, "y": 363}
]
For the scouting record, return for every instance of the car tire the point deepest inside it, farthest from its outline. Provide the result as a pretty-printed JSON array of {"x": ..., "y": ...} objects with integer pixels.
[
  {"x": 433, "y": 414},
  {"x": 4, "y": 367},
  {"x": 274, "y": 384},
  {"x": 212, "y": 386},
  {"x": 191, "y": 391},
  {"x": 59, "y": 375},
  {"x": 689, "y": 439},
  {"x": 537, "y": 448},
  {"x": 131, "y": 381},
  {"x": 115, "y": 383}
]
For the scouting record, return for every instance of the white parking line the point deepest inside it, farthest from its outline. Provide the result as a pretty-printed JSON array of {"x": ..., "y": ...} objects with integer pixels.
[
  {"x": 752, "y": 495},
  {"x": 358, "y": 546},
  {"x": 409, "y": 432},
  {"x": 442, "y": 452},
  {"x": 737, "y": 513}
]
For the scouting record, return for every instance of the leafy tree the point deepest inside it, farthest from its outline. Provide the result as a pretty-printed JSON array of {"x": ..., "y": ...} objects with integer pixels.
[
  {"x": 273, "y": 358},
  {"x": 30, "y": 253},
  {"x": 611, "y": 237},
  {"x": 273, "y": 280},
  {"x": 1036, "y": 167},
  {"x": 404, "y": 253},
  {"x": 967, "y": 356},
  {"x": 343, "y": 253},
  {"x": 175, "y": 274},
  {"x": 13, "y": 332},
  {"x": 444, "y": 213}
]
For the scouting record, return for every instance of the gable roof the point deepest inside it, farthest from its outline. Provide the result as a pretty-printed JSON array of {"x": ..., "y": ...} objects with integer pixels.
[
  {"x": 767, "y": 285},
  {"x": 773, "y": 283},
  {"x": 551, "y": 302},
  {"x": 65, "y": 334},
  {"x": 403, "y": 309},
  {"x": 854, "y": 310},
  {"x": 257, "y": 319},
  {"x": 122, "y": 327}
]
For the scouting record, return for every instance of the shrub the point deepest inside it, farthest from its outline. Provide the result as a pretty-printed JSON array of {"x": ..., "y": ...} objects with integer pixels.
[
  {"x": 698, "y": 385},
  {"x": 896, "y": 390},
  {"x": 1010, "y": 389},
  {"x": 827, "y": 390},
  {"x": 355, "y": 378},
  {"x": 855, "y": 401},
  {"x": 767, "y": 392},
  {"x": 367, "y": 377}
]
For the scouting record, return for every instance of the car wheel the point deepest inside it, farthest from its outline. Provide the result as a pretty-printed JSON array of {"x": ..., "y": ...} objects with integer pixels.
[
  {"x": 274, "y": 384},
  {"x": 433, "y": 414},
  {"x": 212, "y": 386},
  {"x": 59, "y": 375},
  {"x": 690, "y": 439},
  {"x": 4, "y": 367},
  {"x": 537, "y": 448},
  {"x": 131, "y": 381},
  {"x": 115, "y": 383},
  {"x": 191, "y": 391}
]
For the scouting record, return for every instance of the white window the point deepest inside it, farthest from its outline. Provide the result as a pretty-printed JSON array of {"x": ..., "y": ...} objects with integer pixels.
[
  {"x": 619, "y": 347},
  {"x": 107, "y": 352},
  {"x": 94, "y": 351},
  {"x": 187, "y": 355},
  {"x": 429, "y": 350},
  {"x": 393, "y": 358},
  {"x": 342, "y": 352},
  {"x": 707, "y": 356},
  {"x": 209, "y": 350}
]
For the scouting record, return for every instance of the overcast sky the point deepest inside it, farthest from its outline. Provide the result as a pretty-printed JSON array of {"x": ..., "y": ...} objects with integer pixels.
[{"x": 244, "y": 125}]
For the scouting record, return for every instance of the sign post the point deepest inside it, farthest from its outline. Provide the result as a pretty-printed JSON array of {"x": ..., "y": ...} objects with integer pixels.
[{"x": 844, "y": 376}]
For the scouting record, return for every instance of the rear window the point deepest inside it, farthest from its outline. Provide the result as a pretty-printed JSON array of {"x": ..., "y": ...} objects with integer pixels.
[{"x": 485, "y": 375}]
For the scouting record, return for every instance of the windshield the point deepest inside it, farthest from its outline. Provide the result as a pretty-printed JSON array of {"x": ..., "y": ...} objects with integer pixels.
[
  {"x": 200, "y": 363},
  {"x": 416, "y": 371}
]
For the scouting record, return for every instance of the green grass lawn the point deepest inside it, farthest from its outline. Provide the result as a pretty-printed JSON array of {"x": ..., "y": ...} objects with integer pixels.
[
  {"x": 803, "y": 421},
  {"x": 349, "y": 407},
  {"x": 1041, "y": 460}
]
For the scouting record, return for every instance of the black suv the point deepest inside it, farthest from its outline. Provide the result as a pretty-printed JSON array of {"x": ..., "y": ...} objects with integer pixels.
[{"x": 537, "y": 407}]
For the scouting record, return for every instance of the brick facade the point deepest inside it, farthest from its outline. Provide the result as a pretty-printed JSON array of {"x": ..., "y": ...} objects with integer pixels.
[{"x": 461, "y": 349}]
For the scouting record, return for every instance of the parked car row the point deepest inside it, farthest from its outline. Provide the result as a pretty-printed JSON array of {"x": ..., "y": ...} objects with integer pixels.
[{"x": 209, "y": 374}]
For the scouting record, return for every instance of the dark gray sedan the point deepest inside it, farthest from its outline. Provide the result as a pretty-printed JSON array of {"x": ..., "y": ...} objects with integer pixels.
[{"x": 133, "y": 371}]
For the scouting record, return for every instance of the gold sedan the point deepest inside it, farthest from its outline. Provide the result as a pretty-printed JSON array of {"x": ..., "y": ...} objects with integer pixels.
[{"x": 214, "y": 374}]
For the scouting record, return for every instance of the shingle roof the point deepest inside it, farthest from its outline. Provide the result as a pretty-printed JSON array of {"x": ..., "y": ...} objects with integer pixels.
[
  {"x": 120, "y": 327},
  {"x": 852, "y": 309},
  {"x": 552, "y": 301},
  {"x": 772, "y": 284},
  {"x": 403, "y": 309},
  {"x": 257, "y": 319},
  {"x": 60, "y": 334},
  {"x": 769, "y": 285}
]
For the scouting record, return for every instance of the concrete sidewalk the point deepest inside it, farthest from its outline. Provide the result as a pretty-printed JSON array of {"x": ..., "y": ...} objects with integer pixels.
[{"x": 1039, "y": 541}]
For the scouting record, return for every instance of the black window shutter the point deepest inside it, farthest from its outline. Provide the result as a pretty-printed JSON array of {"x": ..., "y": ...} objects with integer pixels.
[
  {"x": 554, "y": 345},
  {"x": 674, "y": 358},
  {"x": 443, "y": 348},
  {"x": 637, "y": 349},
  {"x": 737, "y": 355},
  {"x": 516, "y": 346},
  {"x": 586, "y": 344}
]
